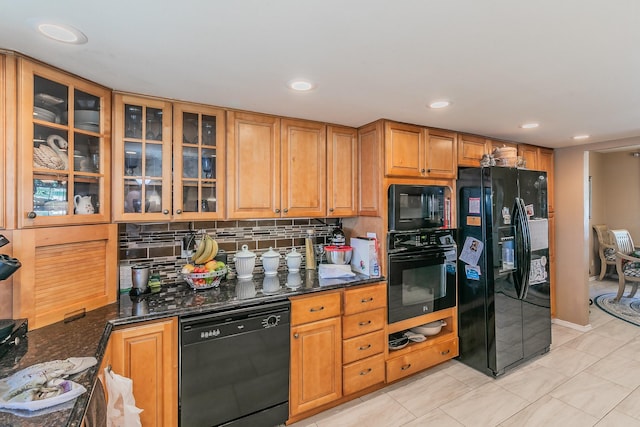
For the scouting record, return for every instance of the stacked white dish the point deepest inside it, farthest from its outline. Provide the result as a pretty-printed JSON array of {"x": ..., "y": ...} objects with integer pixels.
[{"x": 44, "y": 114}]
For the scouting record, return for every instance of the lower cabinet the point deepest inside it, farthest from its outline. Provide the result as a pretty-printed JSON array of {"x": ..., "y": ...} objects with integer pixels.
[
  {"x": 148, "y": 354},
  {"x": 316, "y": 352}
]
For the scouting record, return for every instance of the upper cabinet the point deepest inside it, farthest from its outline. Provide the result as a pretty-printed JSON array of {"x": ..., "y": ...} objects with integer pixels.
[
  {"x": 141, "y": 159},
  {"x": 529, "y": 154},
  {"x": 471, "y": 148},
  {"x": 198, "y": 162},
  {"x": 415, "y": 151},
  {"x": 277, "y": 167},
  {"x": 168, "y": 160},
  {"x": 342, "y": 171},
  {"x": 3, "y": 135},
  {"x": 370, "y": 159},
  {"x": 63, "y": 149},
  {"x": 545, "y": 163}
]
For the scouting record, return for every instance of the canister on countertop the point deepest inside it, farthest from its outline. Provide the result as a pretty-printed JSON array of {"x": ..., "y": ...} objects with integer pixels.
[{"x": 310, "y": 255}]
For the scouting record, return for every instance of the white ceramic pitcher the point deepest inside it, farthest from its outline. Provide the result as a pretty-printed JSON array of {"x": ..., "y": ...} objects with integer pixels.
[{"x": 83, "y": 205}]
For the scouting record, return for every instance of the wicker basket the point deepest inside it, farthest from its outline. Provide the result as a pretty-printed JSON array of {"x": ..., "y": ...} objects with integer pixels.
[{"x": 207, "y": 280}]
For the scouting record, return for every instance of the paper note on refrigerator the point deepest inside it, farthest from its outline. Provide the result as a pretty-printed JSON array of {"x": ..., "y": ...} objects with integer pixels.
[
  {"x": 471, "y": 251},
  {"x": 539, "y": 229}
]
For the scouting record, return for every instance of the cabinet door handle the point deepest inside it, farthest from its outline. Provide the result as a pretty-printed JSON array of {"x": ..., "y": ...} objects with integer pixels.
[
  {"x": 366, "y": 372},
  {"x": 330, "y": 209},
  {"x": 368, "y": 322},
  {"x": 422, "y": 171},
  {"x": 277, "y": 210},
  {"x": 405, "y": 367},
  {"x": 365, "y": 347},
  {"x": 296, "y": 336},
  {"x": 166, "y": 211},
  {"x": 179, "y": 211},
  {"x": 285, "y": 210},
  {"x": 32, "y": 215},
  {"x": 445, "y": 352},
  {"x": 314, "y": 309},
  {"x": 366, "y": 300}
]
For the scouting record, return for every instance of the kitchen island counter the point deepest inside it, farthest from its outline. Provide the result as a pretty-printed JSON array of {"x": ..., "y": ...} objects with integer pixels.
[{"x": 88, "y": 336}]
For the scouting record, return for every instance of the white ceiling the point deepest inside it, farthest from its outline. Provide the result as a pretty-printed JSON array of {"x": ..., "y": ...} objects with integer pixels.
[{"x": 571, "y": 65}]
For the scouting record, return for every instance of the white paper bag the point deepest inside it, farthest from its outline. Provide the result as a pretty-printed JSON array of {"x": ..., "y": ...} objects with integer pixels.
[{"x": 121, "y": 405}]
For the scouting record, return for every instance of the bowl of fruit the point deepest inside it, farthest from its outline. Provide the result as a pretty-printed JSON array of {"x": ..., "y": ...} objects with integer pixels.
[{"x": 204, "y": 276}]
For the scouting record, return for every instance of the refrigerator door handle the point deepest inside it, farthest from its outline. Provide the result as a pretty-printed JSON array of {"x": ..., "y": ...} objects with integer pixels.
[
  {"x": 519, "y": 249},
  {"x": 526, "y": 237}
]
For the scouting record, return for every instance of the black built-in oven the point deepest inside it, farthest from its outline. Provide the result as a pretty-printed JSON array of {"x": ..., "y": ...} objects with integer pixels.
[{"x": 421, "y": 273}]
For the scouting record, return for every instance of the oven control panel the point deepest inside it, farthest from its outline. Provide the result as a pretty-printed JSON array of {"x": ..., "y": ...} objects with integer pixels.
[{"x": 421, "y": 238}]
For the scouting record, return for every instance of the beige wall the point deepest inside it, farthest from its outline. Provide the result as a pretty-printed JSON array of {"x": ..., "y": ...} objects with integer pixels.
[{"x": 573, "y": 228}]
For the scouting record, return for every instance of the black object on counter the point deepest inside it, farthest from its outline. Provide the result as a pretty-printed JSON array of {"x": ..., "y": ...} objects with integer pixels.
[{"x": 8, "y": 266}]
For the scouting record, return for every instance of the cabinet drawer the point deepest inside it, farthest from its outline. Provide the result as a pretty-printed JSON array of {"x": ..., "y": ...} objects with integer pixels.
[
  {"x": 365, "y": 298},
  {"x": 362, "y": 374},
  {"x": 362, "y": 323},
  {"x": 418, "y": 360},
  {"x": 310, "y": 309},
  {"x": 362, "y": 346}
]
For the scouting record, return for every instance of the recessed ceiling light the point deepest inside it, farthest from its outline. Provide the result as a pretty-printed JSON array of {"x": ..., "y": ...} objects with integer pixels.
[
  {"x": 529, "y": 125},
  {"x": 62, "y": 33},
  {"x": 301, "y": 85},
  {"x": 439, "y": 104},
  {"x": 581, "y": 137}
]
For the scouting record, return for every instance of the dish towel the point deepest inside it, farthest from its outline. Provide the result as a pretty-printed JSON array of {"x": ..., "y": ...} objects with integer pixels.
[{"x": 334, "y": 271}]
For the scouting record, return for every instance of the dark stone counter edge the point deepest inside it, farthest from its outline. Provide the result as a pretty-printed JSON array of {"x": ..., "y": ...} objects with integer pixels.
[{"x": 82, "y": 401}]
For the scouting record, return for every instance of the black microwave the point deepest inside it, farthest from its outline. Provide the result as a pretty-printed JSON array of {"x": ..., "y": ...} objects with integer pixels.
[{"x": 414, "y": 207}]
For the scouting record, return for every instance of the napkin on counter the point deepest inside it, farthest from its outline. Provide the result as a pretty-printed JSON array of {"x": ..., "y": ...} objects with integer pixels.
[{"x": 332, "y": 271}]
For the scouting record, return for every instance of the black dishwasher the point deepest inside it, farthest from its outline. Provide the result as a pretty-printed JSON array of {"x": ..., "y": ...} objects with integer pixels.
[{"x": 234, "y": 367}]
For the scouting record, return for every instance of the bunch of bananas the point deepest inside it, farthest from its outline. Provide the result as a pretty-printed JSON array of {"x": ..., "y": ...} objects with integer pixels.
[{"x": 207, "y": 249}]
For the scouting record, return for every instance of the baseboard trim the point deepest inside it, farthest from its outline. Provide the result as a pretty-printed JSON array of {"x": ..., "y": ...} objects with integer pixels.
[{"x": 581, "y": 328}]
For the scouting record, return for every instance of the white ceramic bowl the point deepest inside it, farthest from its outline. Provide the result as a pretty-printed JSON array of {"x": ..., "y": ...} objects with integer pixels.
[{"x": 432, "y": 328}]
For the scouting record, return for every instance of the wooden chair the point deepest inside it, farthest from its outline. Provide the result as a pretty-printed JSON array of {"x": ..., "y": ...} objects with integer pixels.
[
  {"x": 627, "y": 263},
  {"x": 606, "y": 249}
]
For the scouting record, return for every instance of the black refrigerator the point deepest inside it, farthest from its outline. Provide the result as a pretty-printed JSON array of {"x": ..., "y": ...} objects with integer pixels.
[{"x": 504, "y": 310}]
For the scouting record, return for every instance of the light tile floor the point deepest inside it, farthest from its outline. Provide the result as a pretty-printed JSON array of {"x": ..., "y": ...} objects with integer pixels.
[{"x": 587, "y": 379}]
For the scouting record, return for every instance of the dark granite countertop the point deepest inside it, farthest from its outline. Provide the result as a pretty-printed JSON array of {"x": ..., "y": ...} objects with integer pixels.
[{"x": 88, "y": 336}]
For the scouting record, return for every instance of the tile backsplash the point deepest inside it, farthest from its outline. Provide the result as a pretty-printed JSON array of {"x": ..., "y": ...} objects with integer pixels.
[{"x": 160, "y": 244}]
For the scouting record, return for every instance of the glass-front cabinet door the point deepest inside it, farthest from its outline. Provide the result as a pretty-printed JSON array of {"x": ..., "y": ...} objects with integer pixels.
[
  {"x": 64, "y": 148},
  {"x": 198, "y": 165},
  {"x": 142, "y": 159}
]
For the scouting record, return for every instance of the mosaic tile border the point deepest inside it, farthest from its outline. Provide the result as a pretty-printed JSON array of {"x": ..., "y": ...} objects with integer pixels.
[{"x": 160, "y": 244}]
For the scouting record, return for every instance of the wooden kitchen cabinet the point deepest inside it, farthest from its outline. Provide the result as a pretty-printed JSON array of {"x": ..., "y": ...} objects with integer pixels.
[
  {"x": 7, "y": 99},
  {"x": 363, "y": 337},
  {"x": 545, "y": 163},
  {"x": 342, "y": 171},
  {"x": 418, "y": 356},
  {"x": 316, "y": 352},
  {"x": 419, "y": 152},
  {"x": 142, "y": 174},
  {"x": 277, "y": 167},
  {"x": 530, "y": 155},
  {"x": 371, "y": 200},
  {"x": 64, "y": 156},
  {"x": 148, "y": 354},
  {"x": 471, "y": 148},
  {"x": 304, "y": 168},
  {"x": 169, "y": 161},
  {"x": 68, "y": 271},
  {"x": 198, "y": 162}
]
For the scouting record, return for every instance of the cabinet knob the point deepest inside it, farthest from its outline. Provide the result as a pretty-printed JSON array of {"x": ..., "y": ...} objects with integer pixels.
[
  {"x": 277, "y": 210},
  {"x": 179, "y": 211},
  {"x": 296, "y": 336},
  {"x": 285, "y": 210},
  {"x": 32, "y": 215},
  {"x": 166, "y": 211},
  {"x": 422, "y": 170},
  {"x": 330, "y": 209}
]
